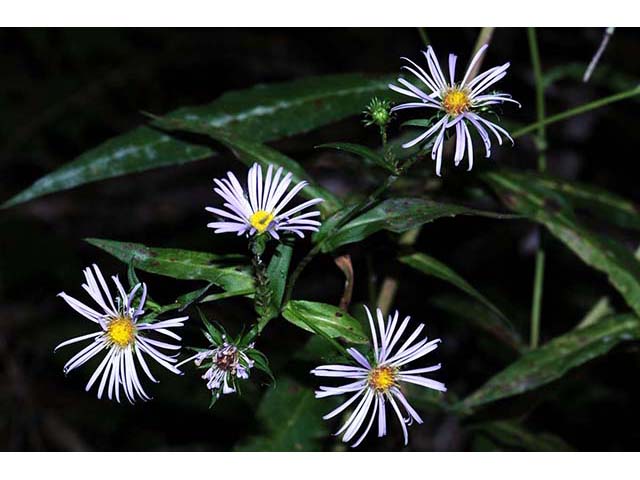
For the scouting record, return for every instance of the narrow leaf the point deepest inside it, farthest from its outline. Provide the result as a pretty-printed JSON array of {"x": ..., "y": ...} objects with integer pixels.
[
  {"x": 249, "y": 151},
  {"x": 430, "y": 266},
  {"x": 265, "y": 112},
  {"x": 277, "y": 272},
  {"x": 554, "y": 211},
  {"x": 398, "y": 215},
  {"x": 330, "y": 320},
  {"x": 551, "y": 361},
  {"x": 221, "y": 270},
  {"x": 370, "y": 156}
]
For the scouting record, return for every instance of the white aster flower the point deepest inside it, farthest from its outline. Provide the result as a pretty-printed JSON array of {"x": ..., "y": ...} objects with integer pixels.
[
  {"x": 120, "y": 337},
  {"x": 378, "y": 382},
  {"x": 460, "y": 103},
  {"x": 229, "y": 363},
  {"x": 261, "y": 211}
]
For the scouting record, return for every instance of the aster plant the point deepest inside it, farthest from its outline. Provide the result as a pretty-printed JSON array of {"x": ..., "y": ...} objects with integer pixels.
[{"x": 357, "y": 210}]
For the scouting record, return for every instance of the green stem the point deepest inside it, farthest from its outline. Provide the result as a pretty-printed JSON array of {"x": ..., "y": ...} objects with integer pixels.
[
  {"x": 484, "y": 37},
  {"x": 538, "y": 280},
  {"x": 423, "y": 36},
  {"x": 538, "y": 276},
  {"x": 578, "y": 110},
  {"x": 365, "y": 204}
]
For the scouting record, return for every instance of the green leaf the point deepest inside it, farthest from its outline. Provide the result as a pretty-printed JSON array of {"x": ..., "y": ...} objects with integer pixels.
[
  {"x": 370, "y": 156},
  {"x": 221, "y": 270},
  {"x": 249, "y": 151},
  {"x": 277, "y": 272},
  {"x": 430, "y": 266},
  {"x": 263, "y": 112},
  {"x": 329, "y": 320},
  {"x": 551, "y": 361},
  {"x": 511, "y": 436},
  {"x": 553, "y": 210},
  {"x": 479, "y": 316},
  {"x": 398, "y": 215},
  {"x": 291, "y": 418},
  {"x": 599, "y": 202}
]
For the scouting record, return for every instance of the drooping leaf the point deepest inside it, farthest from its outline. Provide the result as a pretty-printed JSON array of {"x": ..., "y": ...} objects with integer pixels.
[
  {"x": 397, "y": 215},
  {"x": 224, "y": 271},
  {"x": 554, "y": 211},
  {"x": 431, "y": 266},
  {"x": 249, "y": 151},
  {"x": 480, "y": 317},
  {"x": 511, "y": 436},
  {"x": 291, "y": 419},
  {"x": 554, "y": 359},
  {"x": 330, "y": 320},
  {"x": 370, "y": 156},
  {"x": 181, "y": 303},
  {"x": 599, "y": 202},
  {"x": 263, "y": 112},
  {"x": 277, "y": 272}
]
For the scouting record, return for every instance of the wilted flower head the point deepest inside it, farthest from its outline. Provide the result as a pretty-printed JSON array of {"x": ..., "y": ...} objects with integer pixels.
[
  {"x": 226, "y": 361},
  {"x": 121, "y": 336},
  {"x": 380, "y": 381},
  {"x": 261, "y": 210},
  {"x": 458, "y": 105}
]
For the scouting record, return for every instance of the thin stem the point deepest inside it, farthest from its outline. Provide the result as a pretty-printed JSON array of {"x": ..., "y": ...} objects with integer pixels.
[
  {"x": 365, "y": 204},
  {"x": 484, "y": 37},
  {"x": 389, "y": 286},
  {"x": 423, "y": 36},
  {"x": 538, "y": 280},
  {"x": 578, "y": 110},
  {"x": 538, "y": 276}
]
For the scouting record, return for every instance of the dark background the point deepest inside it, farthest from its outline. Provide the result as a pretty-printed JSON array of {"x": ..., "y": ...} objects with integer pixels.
[{"x": 64, "y": 91}]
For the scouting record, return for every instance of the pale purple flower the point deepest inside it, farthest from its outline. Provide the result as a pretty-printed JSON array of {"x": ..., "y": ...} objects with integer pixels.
[
  {"x": 262, "y": 209},
  {"x": 461, "y": 104},
  {"x": 121, "y": 338},
  {"x": 373, "y": 385},
  {"x": 229, "y": 363}
]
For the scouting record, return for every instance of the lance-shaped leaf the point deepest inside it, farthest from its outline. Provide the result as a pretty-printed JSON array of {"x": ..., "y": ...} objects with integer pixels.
[
  {"x": 225, "y": 271},
  {"x": 277, "y": 272},
  {"x": 510, "y": 436},
  {"x": 597, "y": 201},
  {"x": 371, "y": 157},
  {"x": 324, "y": 319},
  {"x": 249, "y": 151},
  {"x": 554, "y": 359},
  {"x": 553, "y": 210},
  {"x": 291, "y": 419},
  {"x": 397, "y": 215},
  {"x": 475, "y": 314},
  {"x": 430, "y": 266},
  {"x": 264, "y": 112}
]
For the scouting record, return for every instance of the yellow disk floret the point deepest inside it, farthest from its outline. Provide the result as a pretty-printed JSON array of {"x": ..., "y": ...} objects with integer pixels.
[
  {"x": 121, "y": 331},
  {"x": 456, "y": 102},
  {"x": 382, "y": 378},
  {"x": 261, "y": 220}
]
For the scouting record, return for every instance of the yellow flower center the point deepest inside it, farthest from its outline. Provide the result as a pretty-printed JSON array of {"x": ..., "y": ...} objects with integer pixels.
[
  {"x": 121, "y": 331},
  {"x": 261, "y": 220},
  {"x": 382, "y": 378},
  {"x": 456, "y": 101}
]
